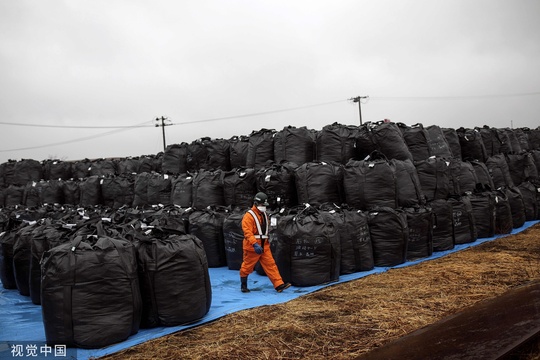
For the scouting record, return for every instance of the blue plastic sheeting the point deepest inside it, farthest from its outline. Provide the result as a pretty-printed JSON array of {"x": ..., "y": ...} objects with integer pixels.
[{"x": 21, "y": 321}]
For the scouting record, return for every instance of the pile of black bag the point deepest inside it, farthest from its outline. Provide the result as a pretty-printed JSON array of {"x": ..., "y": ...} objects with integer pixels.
[
  {"x": 101, "y": 274},
  {"x": 343, "y": 199}
]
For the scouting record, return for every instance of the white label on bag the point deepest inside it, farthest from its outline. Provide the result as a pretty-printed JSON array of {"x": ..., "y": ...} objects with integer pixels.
[{"x": 273, "y": 221}]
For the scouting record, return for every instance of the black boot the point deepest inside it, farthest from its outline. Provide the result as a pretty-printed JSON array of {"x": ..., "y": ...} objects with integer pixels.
[{"x": 243, "y": 284}]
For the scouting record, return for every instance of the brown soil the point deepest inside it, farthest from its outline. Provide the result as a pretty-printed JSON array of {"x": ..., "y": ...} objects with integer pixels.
[{"x": 346, "y": 320}]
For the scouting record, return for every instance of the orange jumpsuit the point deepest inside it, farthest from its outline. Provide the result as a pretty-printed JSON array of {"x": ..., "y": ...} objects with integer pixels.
[{"x": 266, "y": 259}]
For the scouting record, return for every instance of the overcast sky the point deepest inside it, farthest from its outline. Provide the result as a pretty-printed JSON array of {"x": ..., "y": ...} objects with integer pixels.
[{"x": 119, "y": 63}]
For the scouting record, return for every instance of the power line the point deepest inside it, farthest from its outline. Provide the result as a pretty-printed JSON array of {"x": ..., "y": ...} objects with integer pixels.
[
  {"x": 182, "y": 123},
  {"x": 258, "y": 113},
  {"x": 458, "y": 97},
  {"x": 76, "y": 140},
  {"x": 75, "y": 126}
]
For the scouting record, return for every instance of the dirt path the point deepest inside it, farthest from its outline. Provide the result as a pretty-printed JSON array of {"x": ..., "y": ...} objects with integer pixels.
[{"x": 346, "y": 320}]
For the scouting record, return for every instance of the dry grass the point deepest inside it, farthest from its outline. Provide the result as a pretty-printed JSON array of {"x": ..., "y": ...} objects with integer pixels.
[{"x": 347, "y": 320}]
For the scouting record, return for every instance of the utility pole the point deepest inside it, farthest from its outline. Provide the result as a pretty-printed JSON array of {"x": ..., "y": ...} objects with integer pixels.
[
  {"x": 358, "y": 99},
  {"x": 163, "y": 124}
]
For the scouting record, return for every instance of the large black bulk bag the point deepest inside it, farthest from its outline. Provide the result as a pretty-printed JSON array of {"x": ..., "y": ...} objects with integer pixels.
[
  {"x": 536, "y": 184},
  {"x": 409, "y": 188},
  {"x": 336, "y": 143},
  {"x": 4, "y": 219},
  {"x": 503, "y": 213},
  {"x": 357, "y": 230},
  {"x": 197, "y": 154},
  {"x": 499, "y": 171},
  {"x": 318, "y": 183},
  {"x": 238, "y": 151},
  {"x": 452, "y": 138},
  {"x": 7, "y": 276},
  {"x": 140, "y": 189},
  {"x": 365, "y": 140},
  {"x": 159, "y": 189},
  {"x": 118, "y": 191},
  {"x": 174, "y": 160},
  {"x": 44, "y": 237},
  {"x": 530, "y": 194},
  {"x": 522, "y": 167},
  {"x": 169, "y": 217},
  {"x": 464, "y": 225},
  {"x": 22, "y": 256},
  {"x": 208, "y": 189},
  {"x": 81, "y": 168},
  {"x": 417, "y": 140},
  {"x": 484, "y": 213},
  {"x": 102, "y": 167},
  {"x": 13, "y": 195},
  {"x": 233, "y": 237},
  {"x": 218, "y": 152},
  {"x": 294, "y": 144},
  {"x": 420, "y": 224},
  {"x": 149, "y": 163},
  {"x": 8, "y": 171},
  {"x": 182, "y": 190},
  {"x": 389, "y": 234},
  {"x": 260, "y": 148},
  {"x": 522, "y": 138},
  {"x": 443, "y": 230},
  {"x": 536, "y": 157},
  {"x": 355, "y": 242},
  {"x": 370, "y": 183},
  {"x": 207, "y": 225},
  {"x": 515, "y": 146},
  {"x": 71, "y": 192},
  {"x": 90, "y": 191},
  {"x": 278, "y": 182},
  {"x": 437, "y": 142},
  {"x": 472, "y": 146},
  {"x": 308, "y": 249},
  {"x": 483, "y": 176},
  {"x": 2, "y": 175},
  {"x": 174, "y": 278},
  {"x": 390, "y": 141},
  {"x": 533, "y": 136},
  {"x": 466, "y": 177},
  {"x": 239, "y": 187},
  {"x": 90, "y": 296},
  {"x": 434, "y": 175},
  {"x": 27, "y": 170},
  {"x": 495, "y": 141},
  {"x": 56, "y": 169},
  {"x": 31, "y": 194},
  {"x": 128, "y": 165},
  {"x": 52, "y": 192}
]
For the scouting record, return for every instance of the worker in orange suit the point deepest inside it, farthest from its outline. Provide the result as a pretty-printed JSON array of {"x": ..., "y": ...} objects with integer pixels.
[{"x": 256, "y": 245}]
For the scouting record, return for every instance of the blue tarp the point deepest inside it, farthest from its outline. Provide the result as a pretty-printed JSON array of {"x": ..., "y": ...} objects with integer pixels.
[{"x": 21, "y": 321}]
